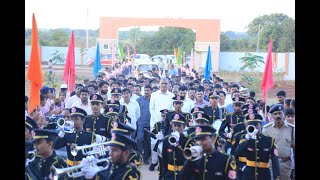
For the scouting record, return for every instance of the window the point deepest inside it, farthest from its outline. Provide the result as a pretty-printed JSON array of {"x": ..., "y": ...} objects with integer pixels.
[{"x": 106, "y": 46}]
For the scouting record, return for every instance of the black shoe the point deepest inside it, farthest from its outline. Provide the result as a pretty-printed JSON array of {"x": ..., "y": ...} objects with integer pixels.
[
  {"x": 152, "y": 166},
  {"x": 146, "y": 162}
]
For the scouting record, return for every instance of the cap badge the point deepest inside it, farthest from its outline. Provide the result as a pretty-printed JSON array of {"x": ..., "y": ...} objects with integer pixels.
[
  {"x": 176, "y": 117},
  {"x": 250, "y": 111},
  {"x": 178, "y": 98},
  {"x": 196, "y": 109},
  {"x": 280, "y": 107},
  {"x": 94, "y": 96},
  {"x": 110, "y": 110},
  {"x": 250, "y": 106},
  {"x": 237, "y": 98},
  {"x": 116, "y": 90},
  {"x": 199, "y": 115},
  {"x": 198, "y": 130},
  {"x": 73, "y": 109},
  {"x": 251, "y": 116},
  {"x": 115, "y": 125},
  {"x": 113, "y": 136}
]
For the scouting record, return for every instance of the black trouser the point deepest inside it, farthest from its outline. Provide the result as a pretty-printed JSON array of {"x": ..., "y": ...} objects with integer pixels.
[{"x": 143, "y": 142}]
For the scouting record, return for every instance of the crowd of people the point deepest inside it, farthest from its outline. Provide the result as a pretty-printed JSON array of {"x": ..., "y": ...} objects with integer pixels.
[{"x": 180, "y": 125}]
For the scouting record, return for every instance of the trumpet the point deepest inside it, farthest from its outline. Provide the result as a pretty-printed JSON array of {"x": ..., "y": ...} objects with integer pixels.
[
  {"x": 251, "y": 130},
  {"x": 194, "y": 153},
  {"x": 88, "y": 149},
  {"x": 31, "y": 156},
  {"x": 66, "y": 126},
  {"x": 174, "y": 138},
  {"x": 75, "y": 171}
]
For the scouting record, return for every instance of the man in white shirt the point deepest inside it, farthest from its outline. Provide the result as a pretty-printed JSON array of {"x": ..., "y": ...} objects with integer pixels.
[
  {"x": 133, "y": 108},
  {"x": 130, "y": 86},
  {"x": 84, "y": 101},
  {"x": 75, "y": 97},
  {"x": 161, "y": 99},
  {"x": 188, "y": 104}
]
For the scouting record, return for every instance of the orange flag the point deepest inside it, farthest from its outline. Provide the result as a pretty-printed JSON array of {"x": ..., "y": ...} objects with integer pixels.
[{"x": 34, "y": 70}]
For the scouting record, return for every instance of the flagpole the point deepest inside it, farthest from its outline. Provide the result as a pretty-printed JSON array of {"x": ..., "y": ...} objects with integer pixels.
[
  {"x": 265, "y": 109},
  {"x": 69, "y": 80}
]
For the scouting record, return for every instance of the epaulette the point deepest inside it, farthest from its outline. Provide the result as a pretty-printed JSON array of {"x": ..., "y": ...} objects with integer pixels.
[
  {"x": 228, "y": 155},
  {"x": 267, "y": 125}
]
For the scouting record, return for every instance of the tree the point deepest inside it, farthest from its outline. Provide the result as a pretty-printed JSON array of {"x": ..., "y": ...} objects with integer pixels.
[
  {"x": 278, "y": 26},
  {"x": 57, "y": 57}
]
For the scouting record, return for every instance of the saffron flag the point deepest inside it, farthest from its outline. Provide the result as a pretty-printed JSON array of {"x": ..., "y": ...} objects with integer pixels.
[
  {"x": 267, "y": 79},
  {"x": 69, "y": 75},
  {"x": 34, "y": 74},
  {"x": 208, "y": 68},
  {"x": 97, "y": 63}
]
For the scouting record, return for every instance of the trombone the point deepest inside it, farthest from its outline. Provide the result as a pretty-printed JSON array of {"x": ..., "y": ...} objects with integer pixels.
[
  {"x": 89, "y": 149},
  {"x": 75, "y": 171}
]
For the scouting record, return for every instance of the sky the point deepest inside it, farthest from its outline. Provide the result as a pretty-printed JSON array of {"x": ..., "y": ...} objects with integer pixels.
[{"x": 234, "y": 15}]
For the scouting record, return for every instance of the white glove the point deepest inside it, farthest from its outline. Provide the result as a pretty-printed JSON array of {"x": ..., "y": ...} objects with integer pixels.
[
  {"x": 254, "y": 137},
  {"x": 90, "y": 171},
  {"x": 247, "y": 136},
  {"x": 159, "y": 135},
  {"x": 61, "y": 134},
  {"x": 100, "y": 138},
  {"x": 229, "y": 135}
]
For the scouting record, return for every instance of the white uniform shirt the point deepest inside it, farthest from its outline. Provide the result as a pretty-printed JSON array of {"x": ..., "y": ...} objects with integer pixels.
[
  {"x": 133, "y": 111},
  {"x": 87, "y": 107}
]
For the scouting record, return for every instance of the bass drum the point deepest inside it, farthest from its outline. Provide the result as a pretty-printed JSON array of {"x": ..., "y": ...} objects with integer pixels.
[
  {"x": 159, "y": 149},
  {"x": 216, "y": 124}
]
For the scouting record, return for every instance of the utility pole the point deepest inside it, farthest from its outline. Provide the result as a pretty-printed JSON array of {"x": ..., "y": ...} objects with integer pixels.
[{"x": 258, "y": 39}]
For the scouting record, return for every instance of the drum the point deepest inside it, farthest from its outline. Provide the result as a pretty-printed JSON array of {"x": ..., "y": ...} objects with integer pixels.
[
  {"x": 159, "y": 149},
  {"x": 216, "y": 124}
]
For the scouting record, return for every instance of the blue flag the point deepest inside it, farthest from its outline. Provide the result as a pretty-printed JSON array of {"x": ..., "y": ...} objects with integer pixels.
[
  {"x": 208, "y": 68},
  {"x": 97, "y": 63}
]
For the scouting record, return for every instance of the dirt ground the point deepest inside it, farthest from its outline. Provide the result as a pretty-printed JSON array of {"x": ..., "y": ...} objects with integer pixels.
[{"x": 86, "y": 71}]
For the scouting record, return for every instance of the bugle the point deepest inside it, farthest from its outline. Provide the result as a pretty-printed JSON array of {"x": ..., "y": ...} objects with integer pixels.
[
  {"x": 65, "y": 126},
  {"x": 193, "y": 153},
  {"x": 92, "y": 149},
  {"x": 75, "y": 171}
]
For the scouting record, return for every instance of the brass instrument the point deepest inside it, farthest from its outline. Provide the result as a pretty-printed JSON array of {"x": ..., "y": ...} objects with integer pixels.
[
  {"x": 86, "y": 150},
  {"x": 251, "y": 130},
  {"x": 66, "y": 126},
  {"x": 194, "y": 153},
  {"x": 75, "y": 171},
  {"x": 31, "y": 156},
  {"x": 174, "y": 138}
]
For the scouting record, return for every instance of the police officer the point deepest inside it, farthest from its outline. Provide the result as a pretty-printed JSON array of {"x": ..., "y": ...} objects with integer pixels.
[
  {"x": 173, "y": 146},
  {"x": 284, "y": 135},
  {"x": 46, "y": 158},
  {"x": 97, "y": 122},
  {"x": 210, "y": 163},
  {"x": 79, "y": 137},
  {"x": 232, "y": 119},
  {"x": 119, "y": 168},
  {"x": 177, "y": 104},
  {"x": 258, "y": 149}
]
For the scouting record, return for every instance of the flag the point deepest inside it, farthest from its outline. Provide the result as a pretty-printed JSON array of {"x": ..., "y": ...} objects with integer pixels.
[
  {"x": 267, "y": 79},
  {"x": 121, "y": 56},
  {"x": 69, "y": 75},
  {"x": 179, "y": 56},
  {"x": 175, "y": 52},
  {"x": 112, "y": 54},
  {"x": 208, "y": 68},
  {"x": 191, "y": 60},
  {"x": 97, "y": 63},
  {"x": 128, "y": 51},
  {"x": 34, "y": 74}
]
